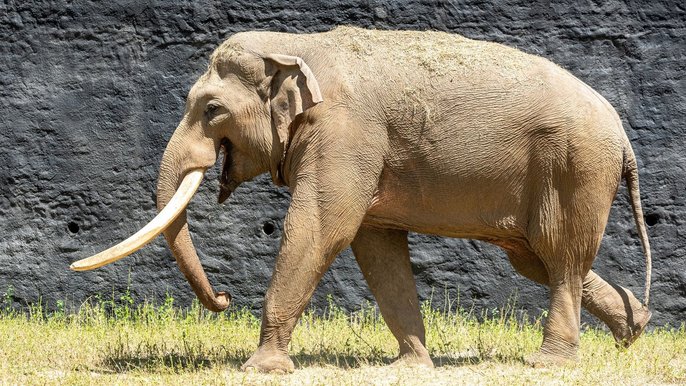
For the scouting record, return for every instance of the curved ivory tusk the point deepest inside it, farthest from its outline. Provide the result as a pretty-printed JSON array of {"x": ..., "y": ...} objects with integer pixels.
[{"x": 176, "y": 205}]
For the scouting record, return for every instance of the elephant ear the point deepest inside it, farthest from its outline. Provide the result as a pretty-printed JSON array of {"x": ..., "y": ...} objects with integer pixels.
[{"x": 294, "y": 89}]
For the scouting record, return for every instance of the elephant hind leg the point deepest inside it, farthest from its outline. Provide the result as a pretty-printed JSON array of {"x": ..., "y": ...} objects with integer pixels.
[
  {"x": 525, "y": 261},
  {"x": 565, "y": 227},
  {"x": 384, "y": 259},
  {"x": 559, "y": 264},
  {"x": 561, "y": 331},
  {"x": 616, "y": 306}
]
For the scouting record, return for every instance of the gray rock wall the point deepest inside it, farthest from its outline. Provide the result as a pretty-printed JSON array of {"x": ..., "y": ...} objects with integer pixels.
[{"x": 90, "y": 92}]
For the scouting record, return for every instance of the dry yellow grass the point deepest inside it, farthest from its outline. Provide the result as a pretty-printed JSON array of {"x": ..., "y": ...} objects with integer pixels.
[{"x": 108, "y": 343}]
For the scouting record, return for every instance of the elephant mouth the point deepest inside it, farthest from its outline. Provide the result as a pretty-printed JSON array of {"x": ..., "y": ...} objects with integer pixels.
[{"x": 226, "y": 184}]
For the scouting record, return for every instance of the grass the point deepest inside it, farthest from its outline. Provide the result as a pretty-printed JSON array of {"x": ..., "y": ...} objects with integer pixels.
[{"x": 120, "y": 342}]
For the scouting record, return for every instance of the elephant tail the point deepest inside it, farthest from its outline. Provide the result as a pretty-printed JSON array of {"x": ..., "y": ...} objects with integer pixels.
[{"x": 630, "y": 174}]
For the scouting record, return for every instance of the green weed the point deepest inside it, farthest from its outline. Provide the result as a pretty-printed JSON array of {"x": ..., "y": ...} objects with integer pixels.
[{"x": 121, "y": 340}]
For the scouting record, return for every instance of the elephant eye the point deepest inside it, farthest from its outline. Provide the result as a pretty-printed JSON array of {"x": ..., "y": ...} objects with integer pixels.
[{"x": 211, "y": 111}]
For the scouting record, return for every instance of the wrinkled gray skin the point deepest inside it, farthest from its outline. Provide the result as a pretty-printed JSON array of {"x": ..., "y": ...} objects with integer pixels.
[{"x": 424, "y": 132}]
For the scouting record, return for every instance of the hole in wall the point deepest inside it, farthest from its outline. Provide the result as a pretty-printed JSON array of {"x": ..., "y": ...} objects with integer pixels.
[
  {"x": 268, "y": 228},
  {"x": 652, "y": 219},
  {"x": 73, "y": 227}
]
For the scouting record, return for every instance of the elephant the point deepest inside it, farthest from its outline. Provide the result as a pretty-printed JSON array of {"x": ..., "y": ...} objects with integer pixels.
[{"x": 381, "y": 133}]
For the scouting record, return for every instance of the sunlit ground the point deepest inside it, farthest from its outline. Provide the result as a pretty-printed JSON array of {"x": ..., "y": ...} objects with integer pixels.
[{"x": 117, "y": 343}]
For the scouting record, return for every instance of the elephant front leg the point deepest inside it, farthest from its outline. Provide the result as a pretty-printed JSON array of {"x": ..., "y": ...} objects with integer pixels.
[
  {"x": 384, "y": 259},
  {"x": 315, "y": 230},
  {"x": 300, "y": 265}
]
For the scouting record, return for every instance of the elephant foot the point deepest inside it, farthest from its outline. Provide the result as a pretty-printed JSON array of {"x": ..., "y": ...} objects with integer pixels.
[
  {"x": 265, "y": 361},
  {"x": 413, "y": 359},
  {"x": 626, "y": 333},
  {"x": 554, "y": 352},
  {"x": 541, "y": 360}
]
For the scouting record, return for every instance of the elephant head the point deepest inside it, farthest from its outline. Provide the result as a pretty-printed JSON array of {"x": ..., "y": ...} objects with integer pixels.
[{"x": 243, "y": 105}]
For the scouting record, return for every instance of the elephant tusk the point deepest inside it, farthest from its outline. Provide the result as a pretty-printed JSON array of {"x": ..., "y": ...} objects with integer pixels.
[{"x": 167, "y": 215}]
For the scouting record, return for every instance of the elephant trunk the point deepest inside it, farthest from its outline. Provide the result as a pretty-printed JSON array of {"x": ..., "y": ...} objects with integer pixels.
[
  {"x": 179, "y": 239},
  {"x": 176, "y": 185}
]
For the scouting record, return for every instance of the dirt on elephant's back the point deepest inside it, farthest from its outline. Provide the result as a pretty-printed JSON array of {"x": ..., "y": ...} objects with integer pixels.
[{"x": 437, "y": 52}]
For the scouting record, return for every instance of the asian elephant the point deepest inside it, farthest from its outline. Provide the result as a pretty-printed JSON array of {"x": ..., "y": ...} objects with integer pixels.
[{"x": 377, "y": 133}]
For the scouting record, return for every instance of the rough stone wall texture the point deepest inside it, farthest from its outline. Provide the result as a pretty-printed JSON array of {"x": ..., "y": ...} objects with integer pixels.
[{"x": 91, "y": 91}]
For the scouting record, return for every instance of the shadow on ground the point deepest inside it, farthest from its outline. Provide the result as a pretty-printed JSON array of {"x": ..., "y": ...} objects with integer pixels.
[{"x": 189, "y": 362}]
